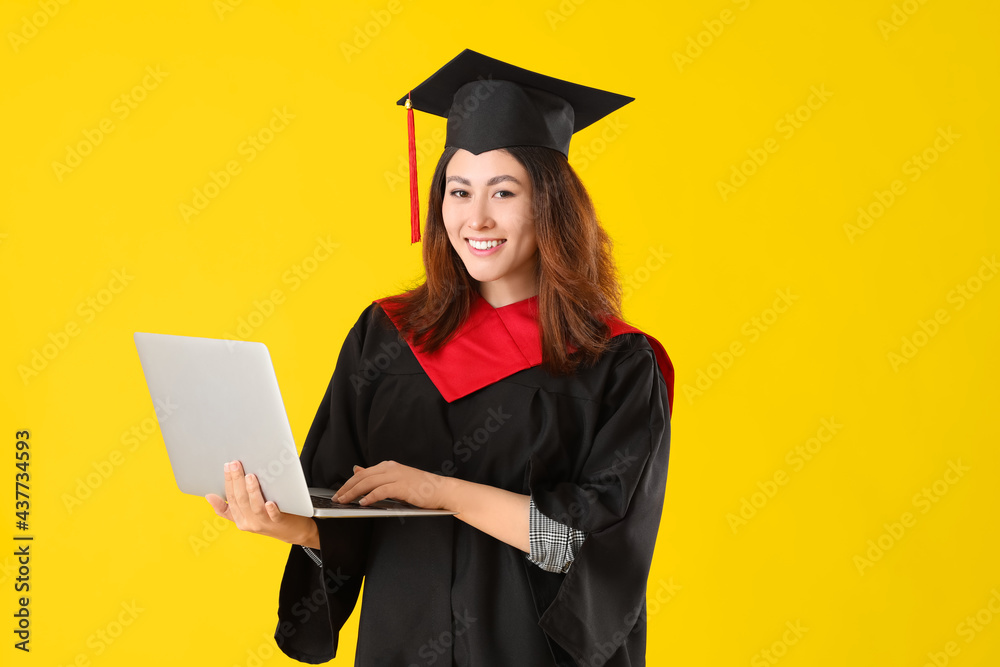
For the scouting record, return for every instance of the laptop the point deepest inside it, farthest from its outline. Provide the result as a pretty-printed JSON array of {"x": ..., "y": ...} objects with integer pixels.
[{"x": 219, "y": 401}]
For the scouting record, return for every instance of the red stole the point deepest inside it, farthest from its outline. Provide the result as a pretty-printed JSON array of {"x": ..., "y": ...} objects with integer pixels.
[{"x": 494, "y": 343}]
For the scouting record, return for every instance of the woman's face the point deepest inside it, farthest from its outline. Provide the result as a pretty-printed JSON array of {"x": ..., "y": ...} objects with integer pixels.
[{"x": 487, "y": 213}]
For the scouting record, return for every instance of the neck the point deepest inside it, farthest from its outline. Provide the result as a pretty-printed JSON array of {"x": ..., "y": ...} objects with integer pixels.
[{"x": 504, "y": 293}]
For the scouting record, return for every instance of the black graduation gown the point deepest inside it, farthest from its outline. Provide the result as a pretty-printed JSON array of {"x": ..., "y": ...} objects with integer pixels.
[{"x": 590, "y": 448}]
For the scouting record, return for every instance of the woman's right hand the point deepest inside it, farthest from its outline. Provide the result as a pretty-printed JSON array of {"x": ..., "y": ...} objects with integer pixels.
[{"x": 244, "y": 505}]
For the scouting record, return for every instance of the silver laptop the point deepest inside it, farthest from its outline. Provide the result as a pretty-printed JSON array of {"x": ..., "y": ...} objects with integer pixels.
[{"x": 219, "y": 401}]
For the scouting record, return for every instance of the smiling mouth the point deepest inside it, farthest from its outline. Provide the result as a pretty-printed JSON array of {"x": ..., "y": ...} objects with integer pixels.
[{"x": 485, "y": 245}]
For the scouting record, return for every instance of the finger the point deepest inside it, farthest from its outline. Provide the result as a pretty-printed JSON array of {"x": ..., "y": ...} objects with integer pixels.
[
  {"x": 229, "y": 481},
  {"x": 219, "y": 505},
  {"x": 380, "y": 493},
  {"x": 232, "y": 497},
  {"x": 365, "y": 479},
  {"x": 349, "y": 484},
  {"x": 256, "y": 497},
  {"x": 354, "y": 487},
  {"x": 365, "y": 486},
  {"x": 273, "y": 511},
  {"x": 344, "y": 488},
  {"x": 240, "y": 485}
]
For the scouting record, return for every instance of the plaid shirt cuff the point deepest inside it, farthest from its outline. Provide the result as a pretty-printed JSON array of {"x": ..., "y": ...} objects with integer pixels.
[{"x": 553, "y": 545}]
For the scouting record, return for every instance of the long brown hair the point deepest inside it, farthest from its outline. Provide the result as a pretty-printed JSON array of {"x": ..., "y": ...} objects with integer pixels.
[{"x": 578, "y": 284}]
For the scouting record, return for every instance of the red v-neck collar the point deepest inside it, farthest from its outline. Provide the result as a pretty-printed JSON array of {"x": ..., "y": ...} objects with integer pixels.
[{"x": 494, "y": 343}]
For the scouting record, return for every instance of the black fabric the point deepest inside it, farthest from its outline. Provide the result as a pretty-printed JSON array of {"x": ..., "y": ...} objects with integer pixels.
[
  {"x": 516, "y": 116},
  {"x": 491, "y": 104},
  {"x": 591, "y": 449}
]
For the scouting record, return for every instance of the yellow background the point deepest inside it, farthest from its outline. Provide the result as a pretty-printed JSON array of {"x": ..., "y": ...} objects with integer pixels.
[{"x": 892, "y": 74}]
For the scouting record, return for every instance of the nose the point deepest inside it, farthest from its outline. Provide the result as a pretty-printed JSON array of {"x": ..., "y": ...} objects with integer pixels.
[{"x": 479, "y": 216}]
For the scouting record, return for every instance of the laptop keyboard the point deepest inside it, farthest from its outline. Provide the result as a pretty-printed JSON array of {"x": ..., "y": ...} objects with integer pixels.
[
  {"x": 323, "y": 502},
  {"x": 328, "y": 503}
]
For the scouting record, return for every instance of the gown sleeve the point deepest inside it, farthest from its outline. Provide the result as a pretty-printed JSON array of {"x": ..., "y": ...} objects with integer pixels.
[
  {"x": 612, "y": 488},
  {"x": 315, "y": 601}
]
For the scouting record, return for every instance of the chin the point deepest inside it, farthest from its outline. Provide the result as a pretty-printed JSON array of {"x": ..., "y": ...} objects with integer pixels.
[
  {"x": 482, "y": 276},
  {"x": 478, "y": 272}
]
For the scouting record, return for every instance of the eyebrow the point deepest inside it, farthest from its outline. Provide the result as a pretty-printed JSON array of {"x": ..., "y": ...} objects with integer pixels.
[{"x": 492, "y": 181}]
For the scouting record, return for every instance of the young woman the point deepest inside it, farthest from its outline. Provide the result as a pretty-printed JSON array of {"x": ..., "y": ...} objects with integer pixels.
[{"x": 505, "y": 389}]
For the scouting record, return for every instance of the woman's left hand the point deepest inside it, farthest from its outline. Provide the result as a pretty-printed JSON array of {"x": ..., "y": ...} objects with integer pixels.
[
  {"x": 394, "y": 480},
  {"x": 497, "y": 512}
]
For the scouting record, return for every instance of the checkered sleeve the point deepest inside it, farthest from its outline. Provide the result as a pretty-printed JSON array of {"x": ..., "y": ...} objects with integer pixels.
[
  {"x": 553, "y": 545},
  {"x": 313, "y": 555}
]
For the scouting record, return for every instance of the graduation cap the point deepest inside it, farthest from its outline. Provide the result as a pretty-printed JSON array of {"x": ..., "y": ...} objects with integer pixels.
[{"x": 491, "y": 104}]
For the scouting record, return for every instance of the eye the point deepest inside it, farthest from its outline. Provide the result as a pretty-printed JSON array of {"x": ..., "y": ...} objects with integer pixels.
[
  {"x": 503, "y": 194},
  {"x": 458, "y": 193}
]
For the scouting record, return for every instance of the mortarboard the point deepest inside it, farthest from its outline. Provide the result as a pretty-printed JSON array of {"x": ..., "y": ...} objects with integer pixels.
[{"x": 491, "y": 104}]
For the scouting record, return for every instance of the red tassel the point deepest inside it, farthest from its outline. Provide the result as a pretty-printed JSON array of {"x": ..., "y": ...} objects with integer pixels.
[{"x": 414, "y": 197}]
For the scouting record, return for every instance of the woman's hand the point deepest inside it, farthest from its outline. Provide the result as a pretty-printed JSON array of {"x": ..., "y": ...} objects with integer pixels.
[
  {"x": 244, "y": 505},
  {"x": 389, "y": 479},
  {"x": 502, "y": 514}
]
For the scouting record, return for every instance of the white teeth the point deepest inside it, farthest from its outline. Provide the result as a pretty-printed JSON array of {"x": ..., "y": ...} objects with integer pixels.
[{"x": 484, "y": 245}]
